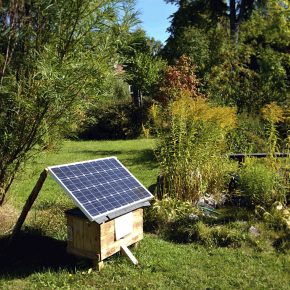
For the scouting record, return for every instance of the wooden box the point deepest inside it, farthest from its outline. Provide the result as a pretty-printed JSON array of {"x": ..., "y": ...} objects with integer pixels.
[{"x": 98, "y": 241}]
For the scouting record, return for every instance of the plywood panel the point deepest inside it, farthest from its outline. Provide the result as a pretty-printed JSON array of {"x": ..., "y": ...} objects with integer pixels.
[
  {"x": 95, "y": 241},
  {"x": 78, "y": 233},
  {"x": 107, "y": 228},
  {"x": 89, "y": 236}
]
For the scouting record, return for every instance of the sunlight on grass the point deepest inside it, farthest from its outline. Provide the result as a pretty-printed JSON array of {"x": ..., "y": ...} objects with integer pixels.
[
  {"x": 165, "y": 265},
  {"x": 136, "y": 155},
  {"x": 40, "y": 260}
]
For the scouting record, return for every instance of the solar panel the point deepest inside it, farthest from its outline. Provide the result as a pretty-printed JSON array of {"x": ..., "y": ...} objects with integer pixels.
[{"x": 100, "y": 187}]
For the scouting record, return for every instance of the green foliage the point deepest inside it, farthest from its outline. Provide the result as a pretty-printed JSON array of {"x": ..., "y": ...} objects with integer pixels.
[
  {"x": 111, "y": 120},
  {"x": 195, "y": 44},
  {"x": 248, "y": 136},
  {"x": 273, "y": 114},
  {"x": 283, "y": 244},
  {"x": 241, "y": 52},
  {"x": 200, "y": 14},
  {"x": 166, "y": 211},
  {"x": 186, "y": 230},
  {"x": 179, "y": 221},
  {"x": 145, "y": 72},
  {"x": 232, "y": 82},
  {"x": 55, "y": 56},
  {"x": 120, "y": 89},
  {"x": 277, "y": 217},
  {"x": 142, "y": 63},
  {"x": 191, "y": 143},
  {"x": 267, "y": 181},
  {"x": 264, "y": 132},
  {"x": 261, "y": 183}
]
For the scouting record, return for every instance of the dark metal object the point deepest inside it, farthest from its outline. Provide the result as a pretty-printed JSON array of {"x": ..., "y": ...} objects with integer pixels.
[{"x": 241, "y": 156}]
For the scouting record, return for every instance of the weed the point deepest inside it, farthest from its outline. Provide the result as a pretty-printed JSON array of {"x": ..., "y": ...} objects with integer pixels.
[
  {"x": 261, "y": 183},
  {"x": 191, "y": 145}
]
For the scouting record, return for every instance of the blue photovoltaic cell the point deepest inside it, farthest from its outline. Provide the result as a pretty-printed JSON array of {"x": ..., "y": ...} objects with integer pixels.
[{"x": 100, "y": 186}]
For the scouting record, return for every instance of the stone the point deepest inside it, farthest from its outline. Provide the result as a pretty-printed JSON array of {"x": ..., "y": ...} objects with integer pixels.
[
  {"x": 193, "y": 217},
  {"x": 254, "y": 231}
]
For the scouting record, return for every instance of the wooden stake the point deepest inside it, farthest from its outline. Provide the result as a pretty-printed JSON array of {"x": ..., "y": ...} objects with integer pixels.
[
  {"x": 129, "y": 254},
  {"x": 29, "y": 202},
  {"x": 98, "y": 265}
]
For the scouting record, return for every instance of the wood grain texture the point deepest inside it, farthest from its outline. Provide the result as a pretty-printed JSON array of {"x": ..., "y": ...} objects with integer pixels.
[{"x": 97, "y": 241}]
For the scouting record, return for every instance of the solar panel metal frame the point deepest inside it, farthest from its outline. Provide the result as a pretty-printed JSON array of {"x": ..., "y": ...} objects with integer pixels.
[{"x": 104, "y": 216}]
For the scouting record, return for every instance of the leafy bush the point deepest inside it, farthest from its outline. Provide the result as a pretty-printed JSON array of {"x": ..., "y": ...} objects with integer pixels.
[
  {"x": 179, "y": 79},
  {"x": 267, "y": 181},
  {"x": 224, "y": 237},
  {"x": 169, "y": 210},
  {"x": 179, "y": 221},
  {"x": 248, "y": 136},
  {"x": 191, "y": 146},
  {"x": 112, "y": 120},
  {"x": 278, "y": 216},
  {"x": 120, "y": 89},
  {"x": 265, "y": 132},
  {"x": 261, "y": 183}
]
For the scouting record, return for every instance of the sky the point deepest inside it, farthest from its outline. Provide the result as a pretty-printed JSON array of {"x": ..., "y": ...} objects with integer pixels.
[{"x": 154, "y": 16}]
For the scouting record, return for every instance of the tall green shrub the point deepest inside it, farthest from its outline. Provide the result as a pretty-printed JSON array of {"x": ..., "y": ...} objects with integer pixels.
[
  {"x": 114, "y": 119},
  {"x": 191, "y": 146},
  {"x": 261, "y": 183},
  {"x": 249, "y": 135}
]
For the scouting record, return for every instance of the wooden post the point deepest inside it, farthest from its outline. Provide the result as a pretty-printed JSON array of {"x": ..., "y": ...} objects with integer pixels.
[
  {"x": 125, "y": 251},
  {"x": 29, "y": 202}
]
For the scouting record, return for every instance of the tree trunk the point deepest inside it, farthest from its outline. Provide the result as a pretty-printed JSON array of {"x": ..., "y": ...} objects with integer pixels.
[{"x": 233, "y": 21}]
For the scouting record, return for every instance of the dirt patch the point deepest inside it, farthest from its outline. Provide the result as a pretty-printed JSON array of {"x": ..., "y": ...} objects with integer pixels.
[{"x": 8, "y": 216}]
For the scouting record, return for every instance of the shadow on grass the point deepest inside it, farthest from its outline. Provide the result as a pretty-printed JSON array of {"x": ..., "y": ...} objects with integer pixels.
[
  {"x": 100, "y": 153},
  {"x": 145, "y": 157},
  {"x": 31, "y": 253}
]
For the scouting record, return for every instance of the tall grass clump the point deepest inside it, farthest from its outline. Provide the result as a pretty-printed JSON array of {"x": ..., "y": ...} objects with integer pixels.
[
  {"x": 261, "y": 183},
  {"x": 191, "y": 145},
  {"x": 267, "y": 181}
]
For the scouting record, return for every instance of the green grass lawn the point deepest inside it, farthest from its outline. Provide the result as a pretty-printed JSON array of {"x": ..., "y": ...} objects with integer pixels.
[
  {"x": 137, "y": 155},
  {"x": 38, "y": 259}
]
